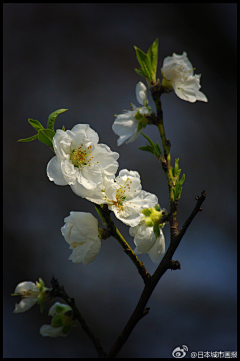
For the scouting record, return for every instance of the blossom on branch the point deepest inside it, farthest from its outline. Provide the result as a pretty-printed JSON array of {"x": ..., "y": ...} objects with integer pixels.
[
  {"x": 31, "y": 294},
  {"x": 62, "y": 321},
  {"x": 125, "y": 197},
  {"x": 129, "y": 124},
  {"x": 80, "y": 161},
  {"x": 177, "y": 72},
  {"x": 81, "y": 233},
  {"x": 146, "y": 241}
]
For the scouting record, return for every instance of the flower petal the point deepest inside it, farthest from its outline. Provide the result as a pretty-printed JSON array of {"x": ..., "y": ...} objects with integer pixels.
[
  {"x": 141, "y": 93},
  {"x": 158, "y": 249},
  {"x": 54, "y": 172},
  {"x": 86, "y": 252},
  {"x": 48, "y": 330},
  {"x": 25, "y": 304}
]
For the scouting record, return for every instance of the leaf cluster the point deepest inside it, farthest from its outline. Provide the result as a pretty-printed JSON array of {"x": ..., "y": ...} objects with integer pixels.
[
  {"x": 152, "y": 147},
  {"x": 148, "y": 62},
  {"x": 177, "y": 182},
  {"x": 45, "y": 135}
]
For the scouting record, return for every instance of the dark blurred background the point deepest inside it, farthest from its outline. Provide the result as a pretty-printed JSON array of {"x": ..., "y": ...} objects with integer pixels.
[{"x": 81, "y": 57}]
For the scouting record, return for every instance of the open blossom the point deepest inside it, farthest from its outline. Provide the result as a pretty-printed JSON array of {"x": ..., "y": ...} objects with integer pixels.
[
  {"x": 127, "y": 125},
  {"x": 147, "y": 242},
  {"x": 62, "y": 321},
  {"x": 80, "y": 161},
  {"x": 177, "y": 72},
  {"x": 125, "y": 197},
  {"x": 29, "y": 293},
  {"x": 81, "y": 233}
]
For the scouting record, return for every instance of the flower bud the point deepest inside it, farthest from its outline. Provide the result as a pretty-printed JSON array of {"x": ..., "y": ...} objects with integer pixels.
[{"x": 153, "y": 216}]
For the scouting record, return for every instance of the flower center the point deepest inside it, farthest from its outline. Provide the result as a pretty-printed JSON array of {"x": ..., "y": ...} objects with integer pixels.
[
  {"x": 81, "y": 156},
  {"x": 29, "y": 293},
  {"x": 121, "y": 196}
]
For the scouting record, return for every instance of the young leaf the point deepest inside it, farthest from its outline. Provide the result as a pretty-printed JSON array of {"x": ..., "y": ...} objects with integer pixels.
[
  {"x": 140, "y": 72},
  {"x": 28, "y": 139},
  {"x": 147, "y": 148},
  {"x": 52, "y": 118},
  {"x": 182, "y": 180},
  {"x": 144, "y": 62},
  {"x": 153, "y": 57},
  {"x": 149, "y": 140},
  {"x": 35, "y": 124},
  {"x": 140, "y": 126},
  {"x": 45, "y": 136},
  {"x": 155, "y": 148},
  {"x": 156, "y": 231},
  {"x": 158, "y": 148}
]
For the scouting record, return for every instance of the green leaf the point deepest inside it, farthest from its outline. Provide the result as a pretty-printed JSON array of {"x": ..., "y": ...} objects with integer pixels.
[
  {"x": 176, "y": 170},
  {"x": 35, "y": 124},
  {"x": 153, "y": 57},
  {"x": 147, "y": 148},
  {"x": 57, "y": 321},
  {"x": 52, "y": 118},
  {"x": 182, "y": 180},
  {"x": 28, "y": 139},
  {"x": 157, "y": 207},
  {"x": 45, "y": 136},
  {"x": 155, "y": 148},
  {"x": 156, "y": 231},
  {"x": 140, "y": 126},
  {"x": 177, "y": 190},
  {"x": 158, "y": 148},
  {"x": 144, "y": 62},
  {"x": 149, "y": 140},
  {"x": 140, "y": 72}
]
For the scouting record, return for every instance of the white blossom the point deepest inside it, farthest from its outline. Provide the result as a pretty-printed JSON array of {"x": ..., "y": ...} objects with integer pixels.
[
  {"x": 60, "y": 326},
  {"x": 146, "y": 241},
  {"x": 177, "y": 72},
  {"x": 81, "y": 233},
  {"x": 127, "y": 125},
  {"x": 48, "y": 330},
  {"x": 125, "y": 197},
  {"x": 29, "y": 293},
  {"x": 80, "y": 161}
]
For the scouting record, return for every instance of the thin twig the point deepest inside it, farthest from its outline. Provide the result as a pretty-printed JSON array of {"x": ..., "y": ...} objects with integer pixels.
[
  {"x": 58, "y": 291},
  {"x": 104, "y": 214},
  {"x": 166, "y": 263}
]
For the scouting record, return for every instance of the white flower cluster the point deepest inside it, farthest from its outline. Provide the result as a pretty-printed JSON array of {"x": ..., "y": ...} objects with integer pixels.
[{"x": 89, "y": 168}]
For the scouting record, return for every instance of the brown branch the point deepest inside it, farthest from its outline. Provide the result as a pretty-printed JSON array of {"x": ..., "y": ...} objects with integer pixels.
[
  {"x": 104, "y": 214},
  {"x": 58, "y": 291},
  {"x": 197, "y": 209},
  {"x": 166, "y": 263}
]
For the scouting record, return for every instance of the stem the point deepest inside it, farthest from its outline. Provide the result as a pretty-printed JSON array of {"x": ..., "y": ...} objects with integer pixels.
[
  {"x": 58, "y": 291},
  {"x": 104, "y": 214},
  {"x": 166, "y": 263},
  {"x": 156, "y": 93}
]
